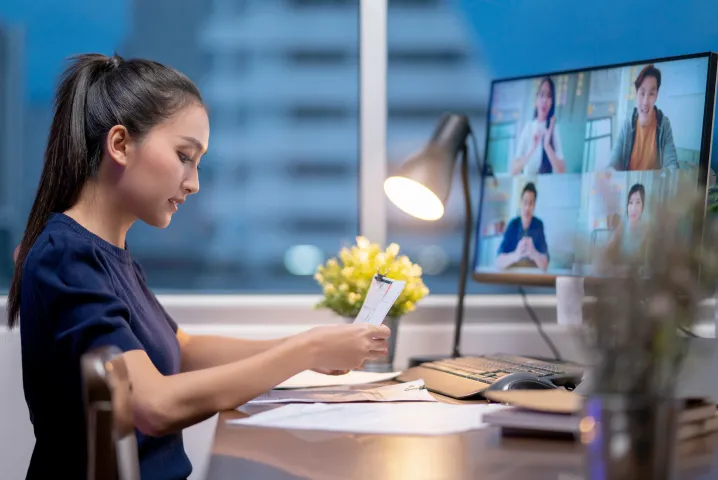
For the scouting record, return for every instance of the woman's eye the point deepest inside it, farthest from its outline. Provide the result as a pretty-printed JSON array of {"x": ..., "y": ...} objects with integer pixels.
[{"x": 183, "y": 158}]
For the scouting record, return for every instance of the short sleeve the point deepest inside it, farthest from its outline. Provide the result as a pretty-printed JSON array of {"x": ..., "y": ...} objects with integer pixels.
[
  {"x": 74, "y": 290},
  {"x": 168, "y": 317},
  {"x": 141, "y": 272}
]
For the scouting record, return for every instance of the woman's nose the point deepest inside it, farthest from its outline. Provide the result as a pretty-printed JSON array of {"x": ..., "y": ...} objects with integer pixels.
[{"x": 191, "y": 185}]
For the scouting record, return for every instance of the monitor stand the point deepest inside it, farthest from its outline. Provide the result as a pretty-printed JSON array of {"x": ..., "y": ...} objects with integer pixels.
[{"x": 700, "y": 368}]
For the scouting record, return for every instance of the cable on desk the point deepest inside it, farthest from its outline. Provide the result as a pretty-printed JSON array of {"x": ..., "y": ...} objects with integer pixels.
[{"x": 539, "y": 327}]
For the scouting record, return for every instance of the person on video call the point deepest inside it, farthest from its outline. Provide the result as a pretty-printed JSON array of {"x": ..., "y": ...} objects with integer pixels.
[
  {"x": 524, "y": 242},
  {"x": 645, "y": 140},
  {"x": 539, "y": 148},
  {"x": 631, "y": 234}
]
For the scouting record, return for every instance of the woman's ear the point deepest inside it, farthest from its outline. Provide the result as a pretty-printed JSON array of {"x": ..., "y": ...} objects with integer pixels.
[{"x": 117, "y": 144}]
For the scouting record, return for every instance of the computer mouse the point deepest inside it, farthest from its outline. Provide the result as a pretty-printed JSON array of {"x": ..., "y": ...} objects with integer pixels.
[{"x": 521, "y": 381}]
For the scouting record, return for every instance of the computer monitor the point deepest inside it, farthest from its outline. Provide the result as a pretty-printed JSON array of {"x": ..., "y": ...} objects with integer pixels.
[{"x": 560, "y": 144}]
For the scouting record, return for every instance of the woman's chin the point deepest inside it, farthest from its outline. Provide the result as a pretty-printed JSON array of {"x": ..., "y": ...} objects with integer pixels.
[{"x": 159, "y": 221}]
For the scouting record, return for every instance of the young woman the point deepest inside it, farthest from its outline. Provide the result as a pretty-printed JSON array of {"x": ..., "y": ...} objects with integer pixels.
[
  {"x": 539, "y": 148},
  {"x": 645, "y": 140},
  {"x": 125, "y": 145},
  {"x": 631, "y": 235}
]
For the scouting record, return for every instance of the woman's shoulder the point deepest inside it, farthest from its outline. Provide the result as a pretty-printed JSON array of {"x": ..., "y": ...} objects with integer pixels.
[{"x": 60, "y": 250}]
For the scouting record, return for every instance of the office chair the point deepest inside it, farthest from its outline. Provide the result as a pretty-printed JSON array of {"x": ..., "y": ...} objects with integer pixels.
[{"x": 111, "y": 441}]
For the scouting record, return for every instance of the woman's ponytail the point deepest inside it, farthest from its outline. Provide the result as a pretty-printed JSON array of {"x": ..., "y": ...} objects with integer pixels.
[{"x": 66, "y": 167}]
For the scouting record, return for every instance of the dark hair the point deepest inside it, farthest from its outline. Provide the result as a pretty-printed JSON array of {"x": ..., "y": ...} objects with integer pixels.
[
  {"x": 636, "y": 188},
  {"x": 529, "y": 187},
  {"x": 648, "y": 71},
  {"x": 96, "y": 92},
  {"x": 545, "y": 162}
]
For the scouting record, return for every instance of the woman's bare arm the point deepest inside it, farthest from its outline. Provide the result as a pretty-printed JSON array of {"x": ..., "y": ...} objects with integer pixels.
[
  {"x": 205, "y": 351},
  {"x": 164, "y": 404}
]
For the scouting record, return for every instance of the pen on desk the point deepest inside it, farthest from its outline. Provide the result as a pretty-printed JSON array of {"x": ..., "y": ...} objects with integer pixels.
[{"x": 415, "y": 387}]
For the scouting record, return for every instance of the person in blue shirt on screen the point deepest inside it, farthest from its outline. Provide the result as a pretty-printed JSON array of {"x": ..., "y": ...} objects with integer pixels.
[
  {"x": 125, "y": 145},
  {"x": 524, "y": 242}
]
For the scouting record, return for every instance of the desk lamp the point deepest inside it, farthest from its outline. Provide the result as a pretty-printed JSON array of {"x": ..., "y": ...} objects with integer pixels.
[{"x": 421, "y": 188}]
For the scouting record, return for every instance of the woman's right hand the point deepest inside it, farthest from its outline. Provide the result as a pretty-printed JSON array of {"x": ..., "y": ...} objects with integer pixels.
[{"x": 344, "y": 347}]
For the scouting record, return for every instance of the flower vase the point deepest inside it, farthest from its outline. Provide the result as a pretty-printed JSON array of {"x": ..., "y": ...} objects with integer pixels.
[
  {"x": 629, "y": 436},
  {"x": 384, "y": 363}
]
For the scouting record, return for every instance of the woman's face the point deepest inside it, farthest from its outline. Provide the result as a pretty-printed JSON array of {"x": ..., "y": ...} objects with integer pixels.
[
  {"x": 635, "y": 207},
  {"x": 543, "y": 101},
  {"x": 162, "y": 167},
  {"x": 646, "y": 96}
]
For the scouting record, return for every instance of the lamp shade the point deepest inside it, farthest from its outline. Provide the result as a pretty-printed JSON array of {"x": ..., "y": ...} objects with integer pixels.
[{"x": 421, "y": 186}]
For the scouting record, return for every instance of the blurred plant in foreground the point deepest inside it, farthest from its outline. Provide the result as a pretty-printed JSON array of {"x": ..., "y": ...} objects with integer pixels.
[{"x": 639, "y": 325}]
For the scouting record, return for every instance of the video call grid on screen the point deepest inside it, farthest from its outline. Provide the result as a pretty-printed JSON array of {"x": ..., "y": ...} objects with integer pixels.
[{"x": 580, "y": 160}]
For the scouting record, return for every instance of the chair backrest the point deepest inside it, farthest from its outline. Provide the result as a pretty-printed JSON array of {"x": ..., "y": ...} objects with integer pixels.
[{"x": 111, "y": 441}]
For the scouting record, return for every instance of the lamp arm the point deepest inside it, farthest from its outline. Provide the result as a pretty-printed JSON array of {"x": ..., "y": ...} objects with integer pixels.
[{"x": 468, "y": 225}]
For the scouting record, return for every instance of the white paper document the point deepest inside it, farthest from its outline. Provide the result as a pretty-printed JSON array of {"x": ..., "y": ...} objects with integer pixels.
[
  {"x": 382, "y": 294},
  {"x": 309, "y": 379},
  {"x": 401, "y": 392},
  {"x": 418, "y": 418}
]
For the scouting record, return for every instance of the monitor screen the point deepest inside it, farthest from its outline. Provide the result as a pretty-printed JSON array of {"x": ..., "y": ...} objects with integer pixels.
[{"x": 580, "y": 160}]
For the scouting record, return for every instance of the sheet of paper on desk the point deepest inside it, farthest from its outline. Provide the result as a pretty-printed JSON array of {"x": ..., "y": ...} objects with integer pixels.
[
  {"x": 417, "y": 418},
  {"x": 382, "y": 294},
  {"x": 310, "y": 379},
  {"x": 401, "y": 392}
]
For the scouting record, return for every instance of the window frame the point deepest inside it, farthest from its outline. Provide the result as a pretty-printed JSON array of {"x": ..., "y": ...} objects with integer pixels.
[
  {"x": 216, "y": 310},
  {"x": 592, "y": 138}
]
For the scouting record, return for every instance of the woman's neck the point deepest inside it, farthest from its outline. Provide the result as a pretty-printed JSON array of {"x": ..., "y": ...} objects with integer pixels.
[
  {"x": 97, "y": 211},
  {"x": 633, "y": 223}
]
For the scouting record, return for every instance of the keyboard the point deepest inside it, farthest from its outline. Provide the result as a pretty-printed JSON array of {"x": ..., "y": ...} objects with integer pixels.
[{"x": 467, "y": 377}]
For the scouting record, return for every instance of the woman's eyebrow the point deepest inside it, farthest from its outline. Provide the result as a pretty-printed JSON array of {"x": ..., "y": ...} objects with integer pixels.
[{"x": 195, "y": 143}]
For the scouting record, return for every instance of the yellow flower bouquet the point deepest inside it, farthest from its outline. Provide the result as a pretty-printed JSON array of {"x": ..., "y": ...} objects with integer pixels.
[{"x": 345, "y": 280}]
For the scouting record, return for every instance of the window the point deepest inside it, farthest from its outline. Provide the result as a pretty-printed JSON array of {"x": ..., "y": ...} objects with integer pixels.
[
  {"x": 502, "y": 141},
  {"x": 598, "y": 142},
  {"x": 280, "y": 182},
  {"x": 433, "y": 68}
]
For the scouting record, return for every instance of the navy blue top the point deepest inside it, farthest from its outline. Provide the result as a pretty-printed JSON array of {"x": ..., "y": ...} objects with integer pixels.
[
  {"x": 81, "y": 292},
  {"x": 515, "y": 232}
]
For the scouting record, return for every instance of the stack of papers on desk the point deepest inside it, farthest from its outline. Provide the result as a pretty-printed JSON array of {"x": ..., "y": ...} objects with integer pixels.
[
  {"x": 401, "y": 392},
  {"x": 419, "y": 418},
  {"x": 311, "y": 379}
]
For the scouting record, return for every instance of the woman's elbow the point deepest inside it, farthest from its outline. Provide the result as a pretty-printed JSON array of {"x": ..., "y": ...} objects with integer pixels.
[{"x": 153, "y": 417}]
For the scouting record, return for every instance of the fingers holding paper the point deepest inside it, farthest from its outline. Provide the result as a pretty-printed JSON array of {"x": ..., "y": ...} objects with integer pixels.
[
  {"x": 344, "y": 347},
  {"x": 380, "y": 332}
]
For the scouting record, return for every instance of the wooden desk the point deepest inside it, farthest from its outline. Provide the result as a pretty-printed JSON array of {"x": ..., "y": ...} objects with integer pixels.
[{"x": 264, "y": 453}]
